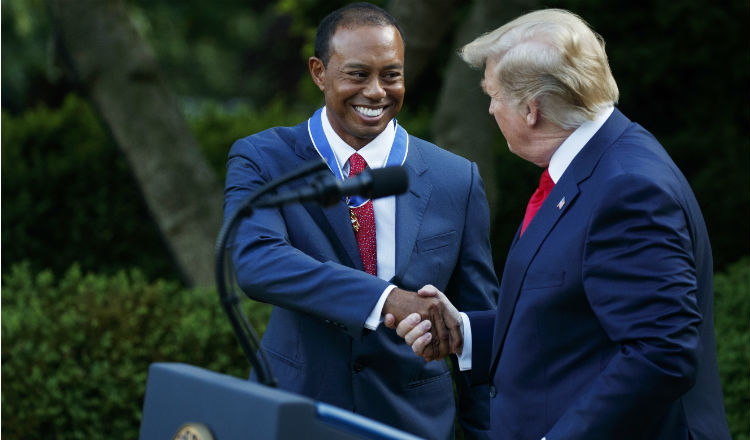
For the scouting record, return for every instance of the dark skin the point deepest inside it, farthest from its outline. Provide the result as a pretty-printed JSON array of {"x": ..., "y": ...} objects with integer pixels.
[
  {"x": 446, "y": 335},
  {"x": 417, "y": 331},
  {"x": 363, "y": 84}
]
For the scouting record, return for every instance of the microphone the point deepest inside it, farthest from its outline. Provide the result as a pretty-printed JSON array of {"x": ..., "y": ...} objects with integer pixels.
[{"x": 327, "y": 190}]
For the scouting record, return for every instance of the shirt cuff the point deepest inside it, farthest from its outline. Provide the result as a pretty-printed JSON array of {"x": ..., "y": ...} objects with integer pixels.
[
  {"x": 464, "y": 359},
  {"x": 374, "y": 319}
]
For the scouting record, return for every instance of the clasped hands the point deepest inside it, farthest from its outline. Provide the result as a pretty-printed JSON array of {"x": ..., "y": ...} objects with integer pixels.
[{"x": 427, "y": 321}]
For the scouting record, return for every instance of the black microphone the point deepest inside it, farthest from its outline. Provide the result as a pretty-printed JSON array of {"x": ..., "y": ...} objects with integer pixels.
[{"x": 327, "y": 190}]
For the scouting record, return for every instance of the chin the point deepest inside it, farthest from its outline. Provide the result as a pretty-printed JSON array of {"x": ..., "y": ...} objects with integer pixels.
[
  {"x": 369, "y": 135},
  {"x": 371, "y": 131}
]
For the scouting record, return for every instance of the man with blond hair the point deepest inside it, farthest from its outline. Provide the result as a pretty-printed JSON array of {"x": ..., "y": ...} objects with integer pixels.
[{"x": 604, "y": 325}]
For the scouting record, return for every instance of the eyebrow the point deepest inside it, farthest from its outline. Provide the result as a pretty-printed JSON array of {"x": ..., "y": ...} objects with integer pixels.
[{"x": 366, "y": 66}]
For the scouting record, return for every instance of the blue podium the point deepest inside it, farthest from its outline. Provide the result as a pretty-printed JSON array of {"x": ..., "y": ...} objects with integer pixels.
[{"x": 184, "y": 401}]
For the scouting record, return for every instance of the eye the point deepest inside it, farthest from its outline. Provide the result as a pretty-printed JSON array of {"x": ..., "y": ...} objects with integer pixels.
[{"x": 359, "y": 74}]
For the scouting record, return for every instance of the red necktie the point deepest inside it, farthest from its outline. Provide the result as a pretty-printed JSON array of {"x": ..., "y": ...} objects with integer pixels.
[
  {"x": 363, "y": 221},
  {"x": 545, "y": 187}
]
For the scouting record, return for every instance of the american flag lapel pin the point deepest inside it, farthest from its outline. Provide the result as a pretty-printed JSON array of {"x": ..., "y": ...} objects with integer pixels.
[{"x": 560, "y": 204}]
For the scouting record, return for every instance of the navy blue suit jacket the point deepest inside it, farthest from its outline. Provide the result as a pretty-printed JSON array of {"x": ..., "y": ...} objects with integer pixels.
[
  {"x": 604, "y": 327},
  {"x": 304, "y": 260}
]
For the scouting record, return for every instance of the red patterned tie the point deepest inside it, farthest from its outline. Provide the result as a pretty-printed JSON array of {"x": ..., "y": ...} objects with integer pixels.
[
  {"x": 363, "y": 221},
  {"x": 545, "y": 187}
]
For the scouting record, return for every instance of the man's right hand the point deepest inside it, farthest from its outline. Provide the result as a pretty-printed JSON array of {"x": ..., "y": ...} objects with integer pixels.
[{"x": 429, "y": 310}]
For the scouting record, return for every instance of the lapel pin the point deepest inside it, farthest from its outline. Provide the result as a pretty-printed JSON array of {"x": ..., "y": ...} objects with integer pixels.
[{"x": 560, "y": 204}]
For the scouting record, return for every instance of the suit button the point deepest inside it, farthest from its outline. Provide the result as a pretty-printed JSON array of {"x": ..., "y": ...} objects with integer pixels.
[
  {"x": 358, "y": 367},
  {"x": 493, "y": 391}
]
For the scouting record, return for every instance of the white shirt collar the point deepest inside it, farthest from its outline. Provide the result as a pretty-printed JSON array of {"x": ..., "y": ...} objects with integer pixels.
[
  {"x": 375, "y": 153},
  {"x": 567, "y": 151}
]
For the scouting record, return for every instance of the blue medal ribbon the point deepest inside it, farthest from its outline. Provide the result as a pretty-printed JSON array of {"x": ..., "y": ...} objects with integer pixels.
[{"x": 396, "y": 154}]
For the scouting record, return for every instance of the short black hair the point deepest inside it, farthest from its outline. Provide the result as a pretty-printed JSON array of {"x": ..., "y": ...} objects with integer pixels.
[{"x": 354, "y": 14}]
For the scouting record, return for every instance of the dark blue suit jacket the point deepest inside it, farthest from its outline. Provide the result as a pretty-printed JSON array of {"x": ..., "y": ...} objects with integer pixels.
[
  {"x": 304, "y": 260},
  {"x": 604, "y": 327}
]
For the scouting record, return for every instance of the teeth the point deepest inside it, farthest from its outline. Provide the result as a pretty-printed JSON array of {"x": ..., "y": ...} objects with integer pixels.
[{"x": 369, "y": 111}]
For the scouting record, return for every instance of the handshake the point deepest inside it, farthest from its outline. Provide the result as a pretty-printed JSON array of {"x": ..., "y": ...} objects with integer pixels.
[{"x": 427, "y": 321}]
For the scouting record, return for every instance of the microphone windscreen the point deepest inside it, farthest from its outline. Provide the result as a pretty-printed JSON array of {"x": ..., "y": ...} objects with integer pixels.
[{"x": 388, "y": 181}]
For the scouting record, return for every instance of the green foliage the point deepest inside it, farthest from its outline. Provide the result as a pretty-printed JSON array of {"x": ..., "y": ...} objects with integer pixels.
[
  {"x": 76, "y": 350},
  {"x": 68, "y": 195},
  {"x": 731, "y": 312},
  {"x": 241, "y": 50},
  {"x": 217, "y": 127},
  {"x": 29, "y": 73}
]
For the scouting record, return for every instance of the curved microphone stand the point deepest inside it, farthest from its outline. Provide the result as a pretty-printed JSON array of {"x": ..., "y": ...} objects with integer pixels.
[{"x": 225, "y": 275}]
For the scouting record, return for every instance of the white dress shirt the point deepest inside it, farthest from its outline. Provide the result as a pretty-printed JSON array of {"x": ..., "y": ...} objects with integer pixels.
[
  {"x": 558, "y": 163},
  {"x": 375, "y": 154}
]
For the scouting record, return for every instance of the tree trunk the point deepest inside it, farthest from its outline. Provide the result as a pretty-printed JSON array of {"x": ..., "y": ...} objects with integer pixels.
[
  {"x": 461, "y": 122},
  {"x": 425, "y": 24},
  {"x": 119, "y": 72}
]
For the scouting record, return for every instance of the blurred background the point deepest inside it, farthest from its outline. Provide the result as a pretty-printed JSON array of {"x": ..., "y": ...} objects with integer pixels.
[{"x": 117, "y": 117}]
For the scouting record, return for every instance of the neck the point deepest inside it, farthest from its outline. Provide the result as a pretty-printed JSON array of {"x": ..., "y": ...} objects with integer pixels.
[{"x": 544, "y": 142}]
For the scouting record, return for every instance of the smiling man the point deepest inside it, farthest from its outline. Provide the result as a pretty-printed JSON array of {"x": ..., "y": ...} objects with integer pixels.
[
  {"x": 332, "y": 273},
  {"x": 359, "y": 108}
]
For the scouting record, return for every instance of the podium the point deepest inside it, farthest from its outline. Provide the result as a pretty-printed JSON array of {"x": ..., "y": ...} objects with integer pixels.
[{"x": 184, "y": 401}]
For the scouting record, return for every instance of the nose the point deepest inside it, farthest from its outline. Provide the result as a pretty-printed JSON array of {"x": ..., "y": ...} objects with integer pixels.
[{"x": 374, "y": 90}]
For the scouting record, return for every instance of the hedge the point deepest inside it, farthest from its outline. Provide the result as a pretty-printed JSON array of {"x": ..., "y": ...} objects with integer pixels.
[
  {"x": 732, "y": 324},
  {"x": 76, "y": 350},
  {"x": 68, "y": 195}
]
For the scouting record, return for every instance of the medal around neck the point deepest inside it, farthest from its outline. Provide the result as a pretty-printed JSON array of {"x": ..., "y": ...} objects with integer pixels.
[{"x": 396, "y": 154}]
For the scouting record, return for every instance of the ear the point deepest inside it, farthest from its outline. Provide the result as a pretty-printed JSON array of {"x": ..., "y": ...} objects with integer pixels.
[
  {"x": 532, "y": 113},
  {"x": 318, "y": 72}
]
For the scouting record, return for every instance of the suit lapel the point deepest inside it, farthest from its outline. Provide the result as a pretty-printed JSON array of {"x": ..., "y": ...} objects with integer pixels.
[
  {"x": 334, "y": 220},
  {"x": 522, "y": 253},
  {"x": 410, "y": 208},
  {"x": 560, "y": 200}
]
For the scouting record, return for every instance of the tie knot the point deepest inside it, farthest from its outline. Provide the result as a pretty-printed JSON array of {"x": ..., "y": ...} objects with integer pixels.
[
  {"x": 545, "y": 182},
  {"x": 357, "y": 164}
]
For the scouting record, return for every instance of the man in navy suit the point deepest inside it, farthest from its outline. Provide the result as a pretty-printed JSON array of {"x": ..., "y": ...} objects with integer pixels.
[
  {"x": 604, "y": 325},
  {"x": 324, "y": 339}
]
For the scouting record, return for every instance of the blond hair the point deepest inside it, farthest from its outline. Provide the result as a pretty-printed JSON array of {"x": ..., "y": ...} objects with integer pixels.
[{"x": 551, "y": 56}]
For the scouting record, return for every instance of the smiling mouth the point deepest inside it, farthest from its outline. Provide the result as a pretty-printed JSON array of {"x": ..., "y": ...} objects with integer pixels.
[{"x": 369, "y": 112}]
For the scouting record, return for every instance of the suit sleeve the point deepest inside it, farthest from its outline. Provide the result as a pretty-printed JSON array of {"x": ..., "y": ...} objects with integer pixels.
[
  {"x": 482, "y": 328},
  {"x": 473, "y": 287},
  {"x": 640, "y": 279},
  {"x": 270, "y": 269}
]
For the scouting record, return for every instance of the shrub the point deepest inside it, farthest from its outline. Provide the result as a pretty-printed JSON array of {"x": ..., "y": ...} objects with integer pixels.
[
  {"x": 76, "y": 351},
  {"x": 68, "y": 195},
  {"x": 731, "y": 313},
  {"x": 217, "y": 126}
]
